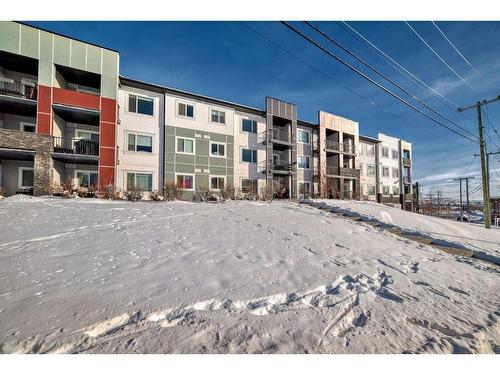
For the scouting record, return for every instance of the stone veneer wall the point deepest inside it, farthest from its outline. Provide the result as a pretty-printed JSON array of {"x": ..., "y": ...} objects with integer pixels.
[{"x": 42, "y": 165}]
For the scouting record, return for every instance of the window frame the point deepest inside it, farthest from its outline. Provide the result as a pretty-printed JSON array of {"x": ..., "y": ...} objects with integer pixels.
[
  {"x": 135, "y": 134},
  {"x": 367, "y": 169},
  {"x": 361, "y": 167},
  {"x": 250, "y": 179},
  {"x": 395, "y": 187},
  {"x": 304, "y": 182},
  {"x": 216, "y": 176},
  {"x": 388, "y": 189},
  {"x": 392, "y": 154},
  {"x": 183, "y": 152},
  {"x": 220, "y": 111},
  {"x": 137, "y": 96},
  {"x": 370, "y": 147},
  {"x": 135, "y": 178},
  {"x": 177, "y": 114},
  {"x": 253, "y": 122},
  {"x": 397, "y": 172},
  {"x": 22, "y": 124},
  {"x": 86, "y": 171},
  {"x": 308, "y": 162},
  {"x": 374, "y": 190},
  {"x": 382, "y": 152},
  {"x": 251, "y": 149},
  {"x": 218, "y": 143},
  {"x": 388, "y": 172},
  {"x": 304, "y": 131},
  {"x": 86, "y": 131},
  {"x": 186, "y": 174},
  {"x": 20, "y": 171}
]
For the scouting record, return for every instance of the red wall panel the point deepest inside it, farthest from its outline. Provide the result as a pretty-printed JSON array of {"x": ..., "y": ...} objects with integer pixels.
[
  {"x": 107, "y": 134},
  {"x": 75, "y": 98},
  {"x": 106, "y": 176},
  {"x": 108, "y": 110}
]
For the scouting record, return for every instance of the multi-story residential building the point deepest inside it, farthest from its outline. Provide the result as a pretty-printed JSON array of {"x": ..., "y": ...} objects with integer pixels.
[
  {"x": 57, "y": 110},
  {"x": 60, "y": 123},
  {"x": 368, "y": 153}
]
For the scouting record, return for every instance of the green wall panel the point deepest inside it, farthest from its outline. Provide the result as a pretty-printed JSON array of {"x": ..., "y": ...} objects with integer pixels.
[
  {"x": 201, "y": 181},
  {"x": 29, "y": 41},
  {"x": 94, "y": 59},
  {"x": 9, "y": 36},
  {"x": 61, "y": 50},
  {"x": 202, "y": 161},
  {"x": 78, "y": 55},
  {"x": 184, "y": 159},
  {"x": 45, "y": 68},
  {"x": 202, "y": 147},
  {"x": 184, "y": 168},
  {"x": 218, "y": 170}
]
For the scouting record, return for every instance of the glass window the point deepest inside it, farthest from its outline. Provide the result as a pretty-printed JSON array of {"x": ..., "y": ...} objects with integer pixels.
[
  {"x": 304, "y": 189},
  {"x": 303, "y": 136},
  {"x": 141, "y": 181},
  {"x": 83, "y": 134},
  {"x": 186, "y": 110},
  {"x": 395, "y": 190},
  {"x": 395, "y": 154},
  {"x": 139, "y": 143},
  {"x": 218, "y": 150},
  {"x": 248, "y": 125},
  {"x": 303, "y": 161},
  {"x": 218, "y": 116},
  {"x": 185, "y": 145},
  {"x": 217, "y": 183},
  {"x": 385, "y": 152},
  {"x": 395, "y": 173},
  {"x": 385, "y": 172},
  {"x": 371, "y": 190},
  {"x": 26, "y": 177},
  {"x": 139, "y": 104},
  {"x": 361, "y": 148},
  {"x": 249, "y": 186},
  {"x": 86, "y": 178},
  {"x": 370, "y": 170},
  {"x": 248, "y": 155},
  {"x": 29, "y": 128},
  {"x": 386, "y": 190},
  {"x": 185, "y": 181},
  {"x": 370, "y": 150}
]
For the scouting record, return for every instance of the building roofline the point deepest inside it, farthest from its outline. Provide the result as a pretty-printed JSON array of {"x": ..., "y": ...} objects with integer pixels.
[
  {"x": 65, "y": 36},
  {"x": 371, "y": 139}
]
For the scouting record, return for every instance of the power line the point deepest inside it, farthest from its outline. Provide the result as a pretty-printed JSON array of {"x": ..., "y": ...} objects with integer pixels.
[
  {"x": 372, "y": 81},
  {"x": 440, "y": 58},
  {"x": 398, "y": 66},
  {"x": 386, "y": 77},
  {"x": 460, "y": 53}
]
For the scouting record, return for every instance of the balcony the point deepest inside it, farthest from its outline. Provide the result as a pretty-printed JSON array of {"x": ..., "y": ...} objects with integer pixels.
[
  {"x": 19, "y": 89},
  {"x": 276, "y": 167},
  {"x": 278, "y": 137},
  {"x": 408, "y": 197},
  {"x": 342, "y": 172},
  {"x": 18, "y": 97},
  {"x": 407, "y": 180},
  {"x": 76, "y": 150},
  {"x": 406, "y": 162},
  {"x": 337, "y": 147}
]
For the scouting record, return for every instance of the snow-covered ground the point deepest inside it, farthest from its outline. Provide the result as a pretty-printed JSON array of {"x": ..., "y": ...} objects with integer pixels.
[{"x": 95, "y": 276}]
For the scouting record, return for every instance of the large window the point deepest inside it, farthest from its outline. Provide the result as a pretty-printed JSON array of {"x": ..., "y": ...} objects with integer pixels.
[
  {"x": 218, "y": 116},
  {"x": 185, "y": 181},
  {"x": 87, "y": 134},
  {"x": 185, "y": 145},
  {"x": 371, "y": 190},
  {"x": 385, "y": 152},
  {"x": 218, "y": 150},
  {"x": 140, "y": 104},
  {"x": 395, "y": 190},
  {"x": 303, "y": 136},
  {"x": 303, "y": 161},
  {"x": 141, "y": 181},
  {"x": 370, "y": 150},
  {"x": 395, "y": 154},
  {"x": 86, "y": 178},
  {"x": 395, "y": 173},
  {"x": 361, "y": 169},
  {"x": 186, "y": 110},
  {"x": 25, "y": 178},
  {"x": 217, "y": 182},
  {"x": 361, "y": 148},
  {"x": 140, "y": 143},
  {"x": 248, "y": 155},
  {"x": 249, "y": 186},
  {"x": 385, "y": 172},
  {"x": 386, "y": 190},
  {"x": 304, "y": 189},
  {"x": 370, "y": 170},
  {"x": 248, "y": 125}
]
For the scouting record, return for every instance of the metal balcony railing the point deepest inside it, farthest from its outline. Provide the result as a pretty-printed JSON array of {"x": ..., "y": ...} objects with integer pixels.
[
  {"x": 279, "y": 135},
  {"x": 76, "y": 146},
  {"x": 339, "y": 147},
  {"x": 332, "y": 171},
  {"x": 281, "y": 166},
  {"x": 339, "y": 171},
  {"x": 18, "y": 89},
  {"x": 407, "y": 179},
  {"x": 406, "y": 162}
]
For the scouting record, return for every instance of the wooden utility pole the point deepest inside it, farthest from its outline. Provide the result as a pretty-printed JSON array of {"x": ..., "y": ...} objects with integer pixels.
[
  {"x": 439, "y": 202},
  {"x": 467, "y": 196},
  {"x": 482, "y": 152}
]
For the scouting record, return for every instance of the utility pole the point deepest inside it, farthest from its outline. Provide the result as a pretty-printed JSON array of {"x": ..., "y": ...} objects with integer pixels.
[
  {"x": 439, "y": 202},
  {"x": 467, "y": 196},
  {"x": 482, "y": 152}
]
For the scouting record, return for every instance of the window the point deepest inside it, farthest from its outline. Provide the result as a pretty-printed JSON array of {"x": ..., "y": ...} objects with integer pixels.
[
  {"x": 86, "y": 134},
  {"x": 304, "y": 189},
  {"x": 140, "y": 143},
  {"x": 361, "y": 169},
  {"x": 248, "y": 155},
  {"x": 218, "y": 150},
  {"x": 370, "y": 170},
  {"x": 86, "y": 178},
  {"x": 141, "y": 181},
  {"x": 140, "y": 104},
  {"x": 217, "y": 183},
  {"x": 249, "y": 126},
  {"x": 385, "y": 152},
  {"x": 26, "y": 127},
  {"x": 303, "y": 136},
  {"x": 386, "y": 190},
  {"x": 186, "y": 110},
  {"x": 395, "y": 173},
  {"x": 185, "y": 145},
  {"x": 303, "y": 161},
  {"x": 361, "y": 148},
  {"x": 218, "y": 116},
  {"x": 25, "y": 178},
  {"x": 395, "y": 154},
  {"x": 371, "y": 189},
  {"x": 370, "y": 150},
  {"x": 395, "y": 190},
  {"x": 385, "y": 172},
  {"x": 249, "y": 186},
  {"x": 185, "y": 181}
]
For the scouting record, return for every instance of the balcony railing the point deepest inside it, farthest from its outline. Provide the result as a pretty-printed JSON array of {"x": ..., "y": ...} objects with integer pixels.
[
  {"x": 339, "y": 147},
  {"x": 18, "y": 89},
  {"x": 76, "y": 146},
  {"x": 407, "y": 179},
  {"x": 279, "y": 135},
  {"x": 347, "y": 172},
  {"x": 406, "y": 162}
]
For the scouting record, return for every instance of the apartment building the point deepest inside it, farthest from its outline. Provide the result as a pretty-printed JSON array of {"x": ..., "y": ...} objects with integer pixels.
[
  {"x": 66, "y": 116},
  {"x": 369, "y": 156},
  {"x": 57, "y": 110}
]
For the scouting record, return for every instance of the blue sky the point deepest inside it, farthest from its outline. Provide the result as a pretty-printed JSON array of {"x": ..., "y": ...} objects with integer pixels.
[{"x": 228, "y": 60}]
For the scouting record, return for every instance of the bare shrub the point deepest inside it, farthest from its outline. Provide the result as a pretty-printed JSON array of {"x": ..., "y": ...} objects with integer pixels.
[
  {"x": 133, "y": 194},
  {"x": 155, "y": 196},
  {"x": 249, "y": 196},
  {"x": 109, "y": 192},
  {"x": 172, "y": 192},
  {"x": 2, "y": 191},
  {"x": 228, "y": 192},
  {"x": 201, "y": 194},
  {"x": 264, "y": 194}
]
